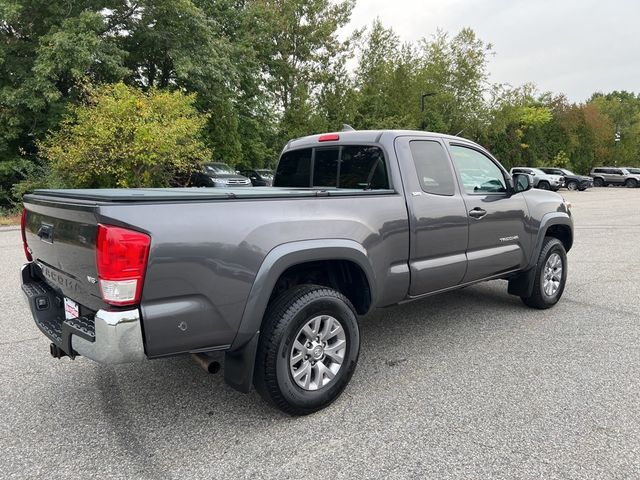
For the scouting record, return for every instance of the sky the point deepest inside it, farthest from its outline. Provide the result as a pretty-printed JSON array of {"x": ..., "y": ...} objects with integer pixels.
[{"x": 564, "y": 46}]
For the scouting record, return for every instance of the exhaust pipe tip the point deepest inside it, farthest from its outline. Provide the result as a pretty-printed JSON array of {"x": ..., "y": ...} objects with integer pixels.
[{"x": 207, "y": 363}]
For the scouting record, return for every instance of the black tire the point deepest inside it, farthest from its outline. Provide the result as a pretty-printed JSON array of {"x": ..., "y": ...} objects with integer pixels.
[
  {"x": 598, "y": 182},
  {"x": 539, "y": 299},
  {"x": 544, "y": 185},
  {"x": 283, "y": 321},
  {"x": 631, "y": 183},
  {"x": 572, "y": 185},
  {"x": 581, "y": 189}
]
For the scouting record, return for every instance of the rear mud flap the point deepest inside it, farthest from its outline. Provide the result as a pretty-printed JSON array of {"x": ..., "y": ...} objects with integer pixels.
[{"x": 239, "y": 365}]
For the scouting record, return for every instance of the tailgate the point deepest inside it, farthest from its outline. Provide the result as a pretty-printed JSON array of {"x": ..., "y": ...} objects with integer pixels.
[{"x": 61, "y": 235}]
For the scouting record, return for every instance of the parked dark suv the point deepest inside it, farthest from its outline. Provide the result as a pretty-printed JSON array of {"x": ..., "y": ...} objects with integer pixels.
[
  {"x": 260, "y": 177},
  {"x": 571, "y": 180},
  {"x": 219, "y": 175},
  {"x": 605, "y": 176}
]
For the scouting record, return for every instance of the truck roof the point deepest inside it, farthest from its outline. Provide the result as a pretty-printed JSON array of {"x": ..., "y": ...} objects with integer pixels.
[{"x": 366, "y": 136}]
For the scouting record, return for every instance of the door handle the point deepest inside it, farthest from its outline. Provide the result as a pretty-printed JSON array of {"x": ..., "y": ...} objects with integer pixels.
[{"x": 477, "y": 213}]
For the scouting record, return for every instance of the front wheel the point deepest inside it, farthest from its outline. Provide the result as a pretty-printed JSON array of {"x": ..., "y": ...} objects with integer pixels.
[
  {"x": 551, "y": 275},
  {"x": 631, "y": 183},
  {"x": 544, "y": 186},
  {"x": 308, "y": 349},
  {"x": 572, "y": 186}
]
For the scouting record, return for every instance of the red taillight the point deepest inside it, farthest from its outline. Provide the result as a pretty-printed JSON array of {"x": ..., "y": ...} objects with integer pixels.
[
  {"x": 121, "y": 258},
  {"x": 23, "y": 223},
  {"x": 329, "y": 137}
]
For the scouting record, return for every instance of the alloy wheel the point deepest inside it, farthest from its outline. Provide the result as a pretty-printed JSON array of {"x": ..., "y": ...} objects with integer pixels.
[
  {"x": 552, "y": 275},
  {"x": 318, "y": 352}
]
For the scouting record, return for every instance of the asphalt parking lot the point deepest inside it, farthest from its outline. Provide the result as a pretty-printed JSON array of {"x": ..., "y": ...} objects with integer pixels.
[{"x": 470, "y": 384}]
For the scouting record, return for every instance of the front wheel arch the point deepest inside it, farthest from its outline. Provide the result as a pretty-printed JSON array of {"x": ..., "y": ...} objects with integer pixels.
[{"x": 562, "y": 233}]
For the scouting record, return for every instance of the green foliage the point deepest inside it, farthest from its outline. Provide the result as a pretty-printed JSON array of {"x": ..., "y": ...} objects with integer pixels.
[
  {"x": 121, "y": 136},
  {"x": 561, "y": 160},
  {"x": 623, "y": 112},
  {"x": 392, "y": 77},
  {"x": 264, "y": 71},
  {"x": 302, "y": 54}
]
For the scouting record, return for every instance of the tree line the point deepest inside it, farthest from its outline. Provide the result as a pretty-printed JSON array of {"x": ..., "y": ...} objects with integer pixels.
[{"x": 124, "y": 92}]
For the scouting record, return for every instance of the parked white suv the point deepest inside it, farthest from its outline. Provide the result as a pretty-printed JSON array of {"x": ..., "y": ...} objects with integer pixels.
[{"x": 541, "y": 180}]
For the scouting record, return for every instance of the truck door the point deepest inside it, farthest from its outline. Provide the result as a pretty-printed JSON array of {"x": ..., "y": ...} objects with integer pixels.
[
  {"x": 437, "y": 215},
  {"x": 498, "y": 237}
]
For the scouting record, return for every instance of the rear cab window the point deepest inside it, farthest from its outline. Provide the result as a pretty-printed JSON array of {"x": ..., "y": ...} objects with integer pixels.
[
  {"x": 294, "y": 169},
  {"x": 346, "y": 166}
]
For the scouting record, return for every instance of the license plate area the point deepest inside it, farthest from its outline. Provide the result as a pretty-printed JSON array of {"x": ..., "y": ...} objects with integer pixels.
[{"x": 71, "y": 309}]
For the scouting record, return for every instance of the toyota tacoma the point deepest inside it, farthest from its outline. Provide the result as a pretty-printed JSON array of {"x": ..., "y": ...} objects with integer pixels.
[{"x": 277, "y": 277}]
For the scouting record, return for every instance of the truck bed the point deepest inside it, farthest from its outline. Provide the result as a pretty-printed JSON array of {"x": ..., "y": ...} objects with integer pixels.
[{"x": 207, "y": 247}]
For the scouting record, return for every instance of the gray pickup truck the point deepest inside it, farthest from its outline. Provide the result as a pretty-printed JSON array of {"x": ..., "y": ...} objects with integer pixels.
[{"x": 276, "y": 277}]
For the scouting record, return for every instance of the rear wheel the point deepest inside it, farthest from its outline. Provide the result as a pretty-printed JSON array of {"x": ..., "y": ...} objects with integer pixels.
[
  {"x": 631, "y": 183},
  {"x": 572, "y": 185},
  {"x": 544, "y": 185},
  {"x": 598, "y": 182},
  {"x": 308, "y": 349},
  {"x": 551, "y": 275}
]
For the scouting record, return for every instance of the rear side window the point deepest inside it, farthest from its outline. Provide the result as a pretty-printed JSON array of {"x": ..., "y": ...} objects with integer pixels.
[
  {"x": 433, "y": 167},
  {"x": 363, "y": 167},
  {"x": 294, "y": 169},
  {"x": 349, "y": 166}
]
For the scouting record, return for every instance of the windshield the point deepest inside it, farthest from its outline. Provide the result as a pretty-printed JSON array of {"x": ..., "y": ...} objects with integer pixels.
[
  {"x": 265, "y": 173},
  {"x": 635, "y": 171},
  {"x": 219, "y": 168},
  {"x": 567, "y": 172},
  {"x": 537, "y": 171}
]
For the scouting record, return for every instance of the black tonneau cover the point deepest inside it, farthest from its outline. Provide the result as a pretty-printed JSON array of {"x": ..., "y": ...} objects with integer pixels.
[{"x": 197, "y": 194}]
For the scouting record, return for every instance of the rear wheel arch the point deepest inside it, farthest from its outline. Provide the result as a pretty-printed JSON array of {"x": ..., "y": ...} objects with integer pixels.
[
  {"x": 279, "y": 263},
  {"x": 305, "y": 260},
  {"x": 344, "y": 276}
]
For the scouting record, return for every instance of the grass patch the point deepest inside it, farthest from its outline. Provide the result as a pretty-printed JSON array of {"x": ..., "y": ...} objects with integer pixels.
[{"x": 9, "y": 220}]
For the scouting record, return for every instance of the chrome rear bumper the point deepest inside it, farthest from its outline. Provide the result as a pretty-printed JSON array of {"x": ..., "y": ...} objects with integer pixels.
[
  {"x": 108, "y": 337},
  {"x": 118, "y": 338}
]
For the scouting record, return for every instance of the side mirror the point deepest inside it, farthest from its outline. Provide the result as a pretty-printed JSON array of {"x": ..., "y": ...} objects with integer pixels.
[{"x": 521, "y": 182}]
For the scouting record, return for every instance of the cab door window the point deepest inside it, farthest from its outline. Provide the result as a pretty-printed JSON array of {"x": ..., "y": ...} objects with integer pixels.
[{"x": 479, "y": 174}]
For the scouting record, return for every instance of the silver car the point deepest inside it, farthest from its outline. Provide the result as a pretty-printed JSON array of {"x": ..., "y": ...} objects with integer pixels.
[
  {"x": 605, "y": 176},
  {"x": 541, "y": 180}
]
